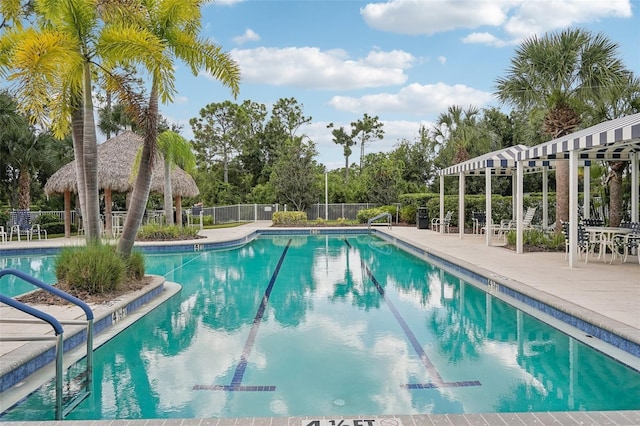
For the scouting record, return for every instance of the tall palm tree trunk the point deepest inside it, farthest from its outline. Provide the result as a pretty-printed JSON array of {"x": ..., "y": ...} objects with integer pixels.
[
  {"x": 168, "y": 195},
  {"x": 24, "y": 189},
  {"x": 562, "y": 193},
  {"x": 78, "y": 152},
  {"x": 142, "y": 185},
  {"x": 615, "y": 192},
  {"x": 90, "y": 144}
]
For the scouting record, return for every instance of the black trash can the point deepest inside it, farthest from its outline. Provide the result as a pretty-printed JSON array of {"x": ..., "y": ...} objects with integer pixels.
[{"x": 422, "y": 218}]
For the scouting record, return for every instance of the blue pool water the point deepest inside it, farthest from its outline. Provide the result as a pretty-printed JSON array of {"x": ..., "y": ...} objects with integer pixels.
[{"x": 333, "y": 326}]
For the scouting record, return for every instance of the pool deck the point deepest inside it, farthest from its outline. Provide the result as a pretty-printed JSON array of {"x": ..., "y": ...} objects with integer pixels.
[{"x": 607, "y": 295}]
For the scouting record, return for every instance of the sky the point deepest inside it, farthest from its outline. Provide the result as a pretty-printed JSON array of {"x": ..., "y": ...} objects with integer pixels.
[{"x": 404, "y": 61}]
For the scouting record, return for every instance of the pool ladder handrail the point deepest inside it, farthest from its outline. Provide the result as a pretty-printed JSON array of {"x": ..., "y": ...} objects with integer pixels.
[
  {"x": 371, "y": 221},
  {"x": 61, "y": 411}
]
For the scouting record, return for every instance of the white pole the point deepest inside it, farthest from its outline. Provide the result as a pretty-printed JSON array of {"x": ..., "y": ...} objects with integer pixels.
[
  {"x": 586, "y": 204},
  {"x": 519, "y": 207},
  {"x": 573, "y": 207},
  {"x": 545, "y": 197},
  {"x": 634, "y": 187},
  {"x": 326, "y": 196},
  {"x": 488, "y": 222},
  {"x": 461, "y": 205},
  {"x": 441, "y": 202}
]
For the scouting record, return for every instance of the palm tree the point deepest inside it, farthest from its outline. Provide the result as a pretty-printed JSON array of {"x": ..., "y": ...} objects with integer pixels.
[
  {"x": 460, "y": 132},
  {"x": 558, "y": 75},
  {"x": 53, "y": 66},
  {"x": 176, "y": 151},
  {"x": 165, "y": 30}
]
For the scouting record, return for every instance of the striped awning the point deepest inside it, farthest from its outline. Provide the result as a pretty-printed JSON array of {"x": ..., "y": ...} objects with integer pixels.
[
  {"x": 501, "y": 162},
  {"x": 611, "y": 140}
]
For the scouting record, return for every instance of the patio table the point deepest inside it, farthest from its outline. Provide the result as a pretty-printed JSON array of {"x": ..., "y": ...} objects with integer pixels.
[{"x": 606, "y": 236}]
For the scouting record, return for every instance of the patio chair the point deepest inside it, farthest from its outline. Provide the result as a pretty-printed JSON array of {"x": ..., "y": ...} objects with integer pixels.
[
  {"x": 437, "y": 223},
  {"x": 479, "y": 220},
  {"x": 586, "y": 242},
  {"x": 627, "y": 243},
  {"x": 528, "y": 217},
  {"x": 506, "y": 225},
  {"x": 596, "y": 221},
  {"x": 21, "y": 225},
  {"x": 194, "y": 216},
  {"x": 3, "y": 234}
]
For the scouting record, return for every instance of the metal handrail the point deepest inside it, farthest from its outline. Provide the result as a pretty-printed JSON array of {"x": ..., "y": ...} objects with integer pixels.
[
  {"x": 380, "y": 216},
  {"x": 57, "y": 327}
]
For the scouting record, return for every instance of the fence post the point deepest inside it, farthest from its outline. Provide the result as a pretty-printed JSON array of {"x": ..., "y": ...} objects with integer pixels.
[{"x": 255, "y": 212}]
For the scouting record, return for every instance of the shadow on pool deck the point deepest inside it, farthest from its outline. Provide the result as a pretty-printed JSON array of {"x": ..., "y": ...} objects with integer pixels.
[{"x": 603, "y": 294}]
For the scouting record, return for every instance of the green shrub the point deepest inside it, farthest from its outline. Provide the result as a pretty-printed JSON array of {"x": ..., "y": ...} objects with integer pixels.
[
  {"x": 535, "y": 239},
  {"x": 4, "y": 218},
  {"x": 343, "y": 221},
  {"x": 56, "y": 227},
  {"x": 363, "y": 216},
  {"x": 135, "y": 266},
  {"x": 207, "y": 220},
  {"x": 289, "y": 218},
  {"x": 93, "y": 269},
  {"x": 154, "y": 232},
  {"x": 408, "y": 214},
  {"x": 45, "y": 218}
]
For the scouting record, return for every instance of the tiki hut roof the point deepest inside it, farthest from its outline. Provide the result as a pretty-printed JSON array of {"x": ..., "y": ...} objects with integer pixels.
[{"x": 115, "y": 162}]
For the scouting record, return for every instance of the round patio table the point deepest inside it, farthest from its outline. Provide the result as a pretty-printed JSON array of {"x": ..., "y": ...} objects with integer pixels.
[{"x": 606, "y": 236}]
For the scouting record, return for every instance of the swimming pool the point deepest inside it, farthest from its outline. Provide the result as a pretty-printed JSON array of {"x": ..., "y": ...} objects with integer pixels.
[{"x": 340, "y": 325}]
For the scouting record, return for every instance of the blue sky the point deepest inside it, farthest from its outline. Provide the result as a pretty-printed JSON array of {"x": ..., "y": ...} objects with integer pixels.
[{"x": 404, "y": 61}]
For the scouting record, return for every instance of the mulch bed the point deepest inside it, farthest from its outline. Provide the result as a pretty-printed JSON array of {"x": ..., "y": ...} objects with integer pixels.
[{"x": 41, "y": 297}]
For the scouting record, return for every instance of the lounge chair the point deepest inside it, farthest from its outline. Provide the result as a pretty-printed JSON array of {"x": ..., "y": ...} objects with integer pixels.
[
  {"x": 442, "y": 223},
  {"x": 528, "y": 217}
]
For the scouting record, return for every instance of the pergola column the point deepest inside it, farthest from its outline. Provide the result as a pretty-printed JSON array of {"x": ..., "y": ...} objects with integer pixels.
[
  {"x": 461, "y": 205},
  {"x": 488, "y": 222}
]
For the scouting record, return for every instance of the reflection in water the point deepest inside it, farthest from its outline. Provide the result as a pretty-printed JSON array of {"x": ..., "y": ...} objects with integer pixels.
[{"x": 315, "y": 348}]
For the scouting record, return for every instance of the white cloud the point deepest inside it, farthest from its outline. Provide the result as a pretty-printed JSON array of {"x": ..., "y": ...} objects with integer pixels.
[
  {"x": 415, "y": 99},
  {"x": 226, "y": 2},
  {"x": 484, "y": 38},
  {"x": 538, "y": 17},
  {"x": 442, "y": 59},
  {"x": 180, "y": 100},
  {"x": 429, "y": 17},
  {"x": 516, "y": 19},
  {"x": 249, "y": 35},
  {"x": 312, "y": 68}
]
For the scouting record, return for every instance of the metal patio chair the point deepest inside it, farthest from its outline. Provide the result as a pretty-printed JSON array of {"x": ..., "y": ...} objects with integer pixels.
[{"x": 442, "y": 223}]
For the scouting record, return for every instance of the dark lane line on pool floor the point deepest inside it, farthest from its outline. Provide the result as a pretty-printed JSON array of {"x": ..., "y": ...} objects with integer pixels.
[
  {"x": 417, "y": 347},
  {"x": 236, "y": 381}
]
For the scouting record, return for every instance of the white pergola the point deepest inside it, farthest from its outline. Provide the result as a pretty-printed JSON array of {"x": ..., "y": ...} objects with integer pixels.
[
  {"x": 614, "y": 140},
  {"x": 497, "y": 163}
]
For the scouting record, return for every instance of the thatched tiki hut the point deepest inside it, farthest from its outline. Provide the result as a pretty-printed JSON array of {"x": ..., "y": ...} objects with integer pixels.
[{"x": 116, "y": 158}]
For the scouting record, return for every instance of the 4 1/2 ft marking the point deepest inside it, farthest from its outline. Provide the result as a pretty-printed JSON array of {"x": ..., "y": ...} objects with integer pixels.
[{"x": 353, "y": 422}]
